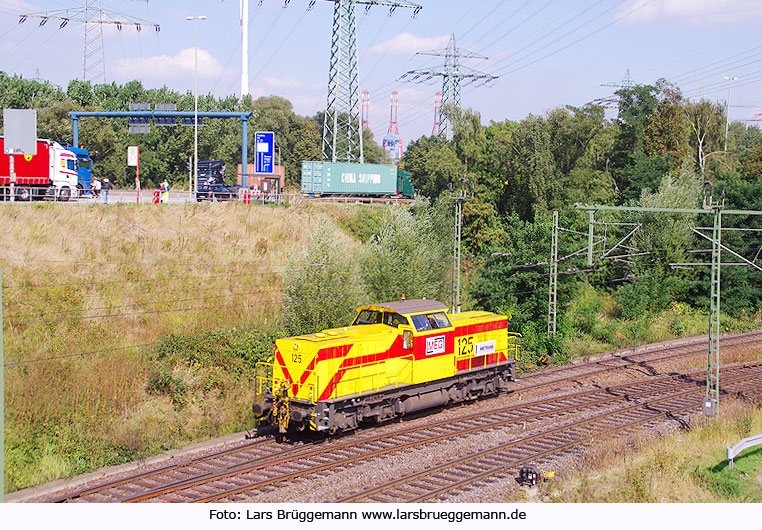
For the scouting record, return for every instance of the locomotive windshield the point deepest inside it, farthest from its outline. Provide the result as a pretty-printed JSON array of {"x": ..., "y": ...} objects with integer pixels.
[{"x": 368, "y": 316}]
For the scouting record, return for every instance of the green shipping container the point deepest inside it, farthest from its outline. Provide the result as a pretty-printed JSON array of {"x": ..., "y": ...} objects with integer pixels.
[{"x": 342, "y": 178}]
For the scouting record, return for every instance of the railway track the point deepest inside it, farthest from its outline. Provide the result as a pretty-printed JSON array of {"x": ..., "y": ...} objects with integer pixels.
[
  {"x": 262, "y": 464},
  {"x": 242, "y": 473},
  {"x": 490, "y": 463},
  {"x": 643, "y": 360}
]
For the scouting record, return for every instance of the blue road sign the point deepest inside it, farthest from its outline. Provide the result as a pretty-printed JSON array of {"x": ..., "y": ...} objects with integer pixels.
[{"x": 264, "y": 148}]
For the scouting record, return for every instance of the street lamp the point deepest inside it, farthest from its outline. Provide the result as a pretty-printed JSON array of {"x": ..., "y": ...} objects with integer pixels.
[
  {"x": 195, "y": 104},
  {"x": 727, "y": 114}
]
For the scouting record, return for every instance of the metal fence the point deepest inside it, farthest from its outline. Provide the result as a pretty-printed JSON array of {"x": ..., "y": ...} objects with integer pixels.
[{"x": 751, "y": 441}]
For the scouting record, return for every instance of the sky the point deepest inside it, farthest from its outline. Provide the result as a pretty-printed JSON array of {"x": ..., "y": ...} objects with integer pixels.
[{"x": 545, "y": 53}]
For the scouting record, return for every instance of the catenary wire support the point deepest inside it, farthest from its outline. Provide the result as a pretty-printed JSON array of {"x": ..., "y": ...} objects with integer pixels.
[
  {"x": 712, "y": 401},
  {"x": 553, "y": 290},
  {"x": 459, "y": 197},
  {"x": 717, "y": 210}
]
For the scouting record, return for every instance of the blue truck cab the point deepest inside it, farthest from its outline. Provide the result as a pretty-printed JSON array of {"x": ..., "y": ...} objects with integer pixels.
[{"x": 84, "y": 169}]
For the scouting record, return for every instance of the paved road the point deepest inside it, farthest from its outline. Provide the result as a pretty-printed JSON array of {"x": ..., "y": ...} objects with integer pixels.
[{"x": 130, "y": 196}]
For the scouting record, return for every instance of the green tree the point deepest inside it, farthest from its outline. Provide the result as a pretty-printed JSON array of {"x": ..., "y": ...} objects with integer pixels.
[
  {"x": 707, "y": 122},
  {"x": 532, "y": 170},
  {"x": 322, "y": 283},
  {"x": 637, "y": 104},
  {"x": 434, "y": 164},
  {"x": 410, "y": 254},
  {"x": 668, "y": 130}
]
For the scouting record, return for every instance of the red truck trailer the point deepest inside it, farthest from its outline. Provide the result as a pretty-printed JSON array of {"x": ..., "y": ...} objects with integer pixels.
[{"x": 52, "y": 172}]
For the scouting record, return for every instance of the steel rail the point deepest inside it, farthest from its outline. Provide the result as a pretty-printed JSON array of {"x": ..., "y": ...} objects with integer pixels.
[
  {"x": 546, "y": 433},
  {"x": 299, "y": 452},
  {"x": 734, "y": 340},
  {"x": 436, "y": 438},
  {"x": 151, "y": 472}
]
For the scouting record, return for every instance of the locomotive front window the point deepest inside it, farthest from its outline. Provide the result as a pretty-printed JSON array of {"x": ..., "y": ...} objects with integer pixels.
[
  {"x": 366, "y": 316},
  {"x": 420, "y": 322}
]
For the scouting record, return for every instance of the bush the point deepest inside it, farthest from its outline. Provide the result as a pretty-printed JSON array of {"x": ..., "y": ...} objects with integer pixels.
[
  {"x": 409, "y": 255},
  {"x": 322, "y": 283}
]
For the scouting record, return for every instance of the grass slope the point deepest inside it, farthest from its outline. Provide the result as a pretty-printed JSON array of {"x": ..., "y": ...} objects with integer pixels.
[{"x": 79, "y": 395}]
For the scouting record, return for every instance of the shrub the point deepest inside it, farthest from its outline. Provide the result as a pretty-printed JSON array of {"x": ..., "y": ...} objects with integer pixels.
[{"x": 322, "y": 283}]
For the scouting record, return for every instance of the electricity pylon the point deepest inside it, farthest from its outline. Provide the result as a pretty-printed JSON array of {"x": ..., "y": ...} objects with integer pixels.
[
  {"x": 453, "y": 73},
  {"x": 93, "y": 17},
  {"x": 342, "y": 133},
  {"x": 613, "y": 100}
]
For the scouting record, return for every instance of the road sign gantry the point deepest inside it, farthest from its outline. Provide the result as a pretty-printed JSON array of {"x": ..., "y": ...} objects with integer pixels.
[{"x": 163, "y": 115}]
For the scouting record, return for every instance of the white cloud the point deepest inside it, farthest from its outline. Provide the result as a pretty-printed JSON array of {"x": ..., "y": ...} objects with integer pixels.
[
  {"x": 180, "y": 65},
  {"x": 408, "y": 44},
  {"x": 691, "y": 12}
]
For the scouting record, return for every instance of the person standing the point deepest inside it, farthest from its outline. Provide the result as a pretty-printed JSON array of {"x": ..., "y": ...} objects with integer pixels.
[
  {"x": 96, "y": 188},
  {"x": 165, "y": 192},
  {"x": 106, "y": 187}
]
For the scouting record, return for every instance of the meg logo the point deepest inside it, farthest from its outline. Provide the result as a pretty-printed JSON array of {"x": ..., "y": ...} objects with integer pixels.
[{"x": 435, "y": 345}]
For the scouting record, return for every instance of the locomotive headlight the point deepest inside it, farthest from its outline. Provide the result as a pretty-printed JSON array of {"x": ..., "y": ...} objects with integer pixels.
[{"x": 296, "y": 346}]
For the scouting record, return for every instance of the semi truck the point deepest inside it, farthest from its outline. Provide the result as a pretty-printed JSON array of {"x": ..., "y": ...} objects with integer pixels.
[
  {"x": 51, "y": 173},
  {"x": 84, "y": 168},
  {"x": 351, "y": 179}
]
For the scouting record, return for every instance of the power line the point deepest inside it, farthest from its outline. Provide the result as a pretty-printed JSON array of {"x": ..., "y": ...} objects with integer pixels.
[
  {"x": 146, "y": 280},
  {"x": 147, "y": 312}
]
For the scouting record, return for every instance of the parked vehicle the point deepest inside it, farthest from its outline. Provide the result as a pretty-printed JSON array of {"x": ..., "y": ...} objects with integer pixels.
[
  {"x": 51, "y": 173},
  {"x": 357, "y": 180},
  {"x": 216, "y": 192},
  {"x": 84, "y": 169},
  {"x": 211, "y": 182}
]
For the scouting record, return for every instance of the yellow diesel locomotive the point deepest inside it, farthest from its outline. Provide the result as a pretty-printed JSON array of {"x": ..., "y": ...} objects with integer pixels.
[{"x": 395, "y": 358}]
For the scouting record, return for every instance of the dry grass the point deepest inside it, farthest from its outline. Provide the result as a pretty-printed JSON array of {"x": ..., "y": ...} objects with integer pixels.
[
  {"x": 664, "y": 466},
  {"x": 182, "y": 270}
]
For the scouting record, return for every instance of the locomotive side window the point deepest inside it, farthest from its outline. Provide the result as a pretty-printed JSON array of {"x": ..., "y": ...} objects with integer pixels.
[
  {"x": 394, "y": 319},
  {"x": 430, "y": 321},
  {"x": 441, "y": 320},
  {"x": 390, "y": 318}
]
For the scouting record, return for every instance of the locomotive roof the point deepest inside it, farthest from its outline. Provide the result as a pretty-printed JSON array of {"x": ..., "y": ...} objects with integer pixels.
[{"x": 408, "y": 307}]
